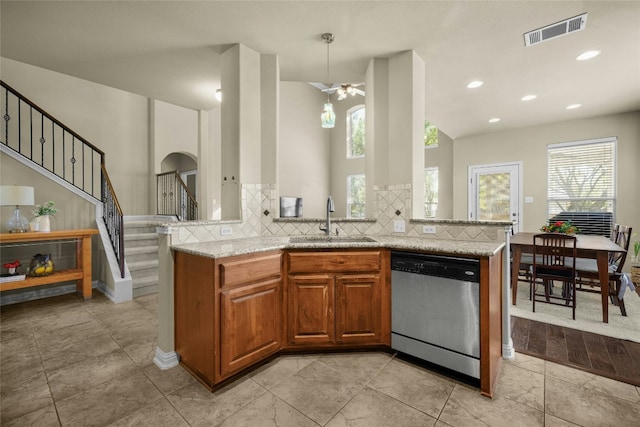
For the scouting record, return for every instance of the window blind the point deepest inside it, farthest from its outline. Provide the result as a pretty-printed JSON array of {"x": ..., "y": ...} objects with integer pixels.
[{"x": 581, "y": 182}]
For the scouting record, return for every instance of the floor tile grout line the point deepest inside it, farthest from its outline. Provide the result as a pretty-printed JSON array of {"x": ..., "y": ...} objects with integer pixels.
[{"x": 44, "y": 370}]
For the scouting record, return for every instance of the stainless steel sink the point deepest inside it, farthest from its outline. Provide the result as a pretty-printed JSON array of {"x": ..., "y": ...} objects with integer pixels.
[{"x": 330, "y": 239}]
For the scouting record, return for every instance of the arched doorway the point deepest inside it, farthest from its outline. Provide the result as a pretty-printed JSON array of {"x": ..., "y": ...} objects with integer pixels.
[{"x": 177, "y": 186}]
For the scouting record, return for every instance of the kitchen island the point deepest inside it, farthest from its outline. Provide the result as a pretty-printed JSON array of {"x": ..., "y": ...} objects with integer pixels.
[{"x": 239, "y": 302}]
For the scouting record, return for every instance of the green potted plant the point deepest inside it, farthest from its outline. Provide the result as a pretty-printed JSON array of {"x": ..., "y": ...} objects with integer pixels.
[{"x": 42, "y": 213}]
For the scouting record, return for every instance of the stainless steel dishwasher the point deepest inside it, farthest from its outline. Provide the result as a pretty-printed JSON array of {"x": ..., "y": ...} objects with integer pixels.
[{"x": 435, "y": 311}]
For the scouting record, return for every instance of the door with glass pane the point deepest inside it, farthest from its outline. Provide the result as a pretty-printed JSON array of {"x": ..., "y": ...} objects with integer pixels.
[{"x": 494, "y": 193}]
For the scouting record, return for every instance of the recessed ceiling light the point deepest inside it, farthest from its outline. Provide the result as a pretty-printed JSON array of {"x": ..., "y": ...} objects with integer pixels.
[
  {"x": 573, "y": 106},
  {"x": 588, "y": 55},
  {"x": 528, "y": 97},
  {"x": 494, "y": 120},
  {"x": 474, "y": 84}
]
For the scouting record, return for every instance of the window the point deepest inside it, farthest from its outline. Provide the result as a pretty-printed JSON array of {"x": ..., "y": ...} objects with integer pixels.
[
  {"x": 581, "y": 184},
  {"x": 355, "y": 132},
  {"x": 430, "y": 192},
  {"x": 430, "y": 135},
  {"x": 355, "y": 196}
]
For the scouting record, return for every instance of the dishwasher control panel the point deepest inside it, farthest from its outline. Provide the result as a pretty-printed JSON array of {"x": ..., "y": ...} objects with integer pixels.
[{"x": 435, "y": 265}]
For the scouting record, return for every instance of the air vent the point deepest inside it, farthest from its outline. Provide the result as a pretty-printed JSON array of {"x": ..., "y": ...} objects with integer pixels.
[{"x": 558, "y": 29}]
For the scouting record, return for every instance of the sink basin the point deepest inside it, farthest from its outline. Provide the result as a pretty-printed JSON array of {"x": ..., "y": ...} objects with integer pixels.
[{"x": 330, "y": 239}]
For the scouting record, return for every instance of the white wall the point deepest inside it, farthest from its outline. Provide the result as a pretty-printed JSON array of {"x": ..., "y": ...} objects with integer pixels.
[
  {"x": 442, "y": 158},
  {"x": 175, "y": 131},
  {"x": 529, "y": 145},
  {"x": 113, "y": 120},
  {"x": 340, "y": 166},
  {"x": 304, "y": 150}
]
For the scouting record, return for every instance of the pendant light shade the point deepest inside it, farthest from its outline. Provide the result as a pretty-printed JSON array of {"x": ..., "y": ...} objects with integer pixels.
[{"x": 328, "y": 117}]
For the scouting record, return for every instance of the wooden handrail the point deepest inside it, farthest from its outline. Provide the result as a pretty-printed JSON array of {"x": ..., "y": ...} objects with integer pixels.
[
  {"x": 53, "y": 159},
  {"x": 53, "y": 119}
]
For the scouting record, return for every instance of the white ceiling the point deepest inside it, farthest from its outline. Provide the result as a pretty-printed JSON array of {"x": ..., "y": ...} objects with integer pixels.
[{"x": 169, "y": 50}]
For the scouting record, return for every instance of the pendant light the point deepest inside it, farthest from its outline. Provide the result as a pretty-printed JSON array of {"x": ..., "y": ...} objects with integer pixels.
[{"x": 328, "y": 117}]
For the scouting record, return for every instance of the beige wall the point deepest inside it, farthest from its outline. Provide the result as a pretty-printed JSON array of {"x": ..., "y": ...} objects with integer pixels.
[
  {"x": 175, "y": 131},
  {"x": 442, "y": 158},
  {"x": 74, "y": 211},
  {"x": 340, "y": 166},
  {"x": 304, "y": 148},
  {"x": 529, "y": 146},
  {"x": 113, "y": 120}
]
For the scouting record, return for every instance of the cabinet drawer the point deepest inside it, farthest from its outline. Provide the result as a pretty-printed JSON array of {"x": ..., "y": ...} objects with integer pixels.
[
  {"x": 245, "y": 269},
  {"x": 334, "y": 261}
]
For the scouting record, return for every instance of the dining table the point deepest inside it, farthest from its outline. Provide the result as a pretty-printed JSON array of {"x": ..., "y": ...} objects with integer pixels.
[{"x": 587, "y": 246}]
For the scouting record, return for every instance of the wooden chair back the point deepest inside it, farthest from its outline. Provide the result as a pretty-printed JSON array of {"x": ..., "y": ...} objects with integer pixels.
[{"x": 554, "y": 256}]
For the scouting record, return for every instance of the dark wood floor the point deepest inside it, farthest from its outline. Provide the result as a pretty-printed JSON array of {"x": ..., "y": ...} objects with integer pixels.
[{"x": 610, "y": 357}]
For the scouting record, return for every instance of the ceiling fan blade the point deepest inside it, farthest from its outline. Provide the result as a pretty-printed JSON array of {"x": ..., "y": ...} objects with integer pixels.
[
  {"x": 359, "y": 91},
  {"x": 320, "y": 86},
  {"x": 332, "y": 89}
]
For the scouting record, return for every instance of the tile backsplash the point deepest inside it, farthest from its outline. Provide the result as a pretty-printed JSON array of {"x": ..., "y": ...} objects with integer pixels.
[{"x": 391, "y": 203}]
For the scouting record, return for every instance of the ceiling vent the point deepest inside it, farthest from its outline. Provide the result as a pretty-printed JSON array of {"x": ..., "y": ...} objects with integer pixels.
[{"x": 558, "y": 29}]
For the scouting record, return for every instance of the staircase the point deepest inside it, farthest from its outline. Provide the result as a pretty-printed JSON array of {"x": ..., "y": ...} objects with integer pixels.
[{"x": 141, "y": 253}]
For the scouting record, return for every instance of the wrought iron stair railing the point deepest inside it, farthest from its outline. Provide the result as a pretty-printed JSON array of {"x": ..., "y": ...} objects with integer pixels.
[
  {"x": 39, "y": 137},
  {"x": 174, "y": 198}
]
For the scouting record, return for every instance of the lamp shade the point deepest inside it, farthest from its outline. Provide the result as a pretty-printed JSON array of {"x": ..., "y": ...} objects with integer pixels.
[
  {"x": 16, "y": 195},
  {"x": 328, "y": 117}
]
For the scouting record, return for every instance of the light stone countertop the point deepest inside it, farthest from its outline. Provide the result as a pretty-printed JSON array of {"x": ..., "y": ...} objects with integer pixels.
[{"x": 232, "y": 247}]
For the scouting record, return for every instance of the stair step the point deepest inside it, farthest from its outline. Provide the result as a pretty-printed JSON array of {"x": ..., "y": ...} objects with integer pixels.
[
  {"x": 140, "y": 239},
  {"x": 141, "y": 252},
  {"x": 141, "y": 266},
  {"x": 137, "y": 250},
  {"x": 139, "y": 292},
  {"x": 145, "y": 281},
  {"x": 142, "y": 257}
]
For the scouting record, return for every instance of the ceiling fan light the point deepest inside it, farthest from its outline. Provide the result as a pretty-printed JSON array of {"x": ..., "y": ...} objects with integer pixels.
[{"x": 328, "y": 117}]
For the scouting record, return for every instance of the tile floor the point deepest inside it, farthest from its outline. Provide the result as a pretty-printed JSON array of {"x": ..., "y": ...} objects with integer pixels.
[{"x": 74, "y": 363}]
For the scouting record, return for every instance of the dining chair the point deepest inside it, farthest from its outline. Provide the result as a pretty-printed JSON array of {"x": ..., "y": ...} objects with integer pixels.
[
  {"x": 554, "y": 256},
  {"x": 524, "y": 272},
  {"x": 587, "y": 269}
]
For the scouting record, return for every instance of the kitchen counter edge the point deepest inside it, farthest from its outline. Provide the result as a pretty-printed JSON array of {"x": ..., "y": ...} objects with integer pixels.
[{"x": 249, "y": 245}]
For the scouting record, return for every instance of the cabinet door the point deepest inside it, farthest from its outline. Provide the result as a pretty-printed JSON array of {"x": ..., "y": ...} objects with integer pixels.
[
  {"x": 311, "y": 309},
  {"x": 358, "y": 308},
  {"x": 250, "y": 324}
]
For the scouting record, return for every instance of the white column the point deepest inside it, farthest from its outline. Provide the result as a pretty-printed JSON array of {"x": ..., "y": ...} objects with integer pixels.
[
  {"x": 166, "y": 356},
  {"x": 508, "y": 351}
]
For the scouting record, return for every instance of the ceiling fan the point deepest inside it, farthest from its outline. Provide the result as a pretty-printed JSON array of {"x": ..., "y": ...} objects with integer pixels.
[{"x": 342, "y": 89}]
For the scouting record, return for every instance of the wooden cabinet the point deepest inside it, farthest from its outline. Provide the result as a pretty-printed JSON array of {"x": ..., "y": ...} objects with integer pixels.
[
  {"x": 358, "y": 308},
  {"x": 228, "y": 312},
  {"x": 338, "y": 298},
  {"x": 250, "y": 311}
]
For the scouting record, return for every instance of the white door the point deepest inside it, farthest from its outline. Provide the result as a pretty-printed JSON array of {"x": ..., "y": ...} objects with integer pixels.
[{"x": 494, "y": 193}]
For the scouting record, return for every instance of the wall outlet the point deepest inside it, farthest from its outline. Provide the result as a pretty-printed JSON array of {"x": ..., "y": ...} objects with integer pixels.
[
  {"x": 226, "y": 230},
  {"x": 528, "y": 199},
  {"x": 398, "y": 226},
  {"x": 428, "y": 229}
]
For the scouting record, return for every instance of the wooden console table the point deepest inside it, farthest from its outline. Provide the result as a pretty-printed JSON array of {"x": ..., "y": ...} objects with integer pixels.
[{"x": 81, "y": 274}]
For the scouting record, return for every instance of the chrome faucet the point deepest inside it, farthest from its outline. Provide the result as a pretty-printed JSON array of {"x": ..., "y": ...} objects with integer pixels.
[{"x": 330, "y": 208}]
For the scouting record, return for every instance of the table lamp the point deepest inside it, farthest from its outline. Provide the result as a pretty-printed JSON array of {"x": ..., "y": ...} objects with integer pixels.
[{"x": 16, "y": 195}]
